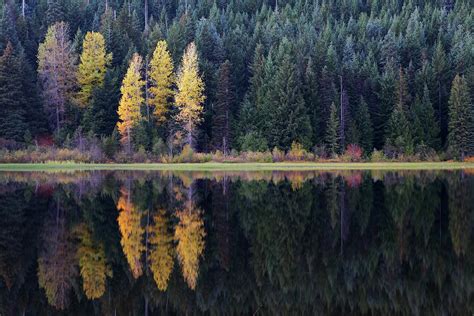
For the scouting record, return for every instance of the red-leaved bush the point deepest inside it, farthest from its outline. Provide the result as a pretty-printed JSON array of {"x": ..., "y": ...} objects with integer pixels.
[{"x": 353, "y": 152}]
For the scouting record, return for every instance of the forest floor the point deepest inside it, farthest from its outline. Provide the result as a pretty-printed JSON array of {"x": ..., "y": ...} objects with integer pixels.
[{"x": 216, "y": 166}]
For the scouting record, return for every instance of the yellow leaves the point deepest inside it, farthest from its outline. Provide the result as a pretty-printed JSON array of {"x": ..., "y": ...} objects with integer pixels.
[
  {"x": 92, "y": 67},
  {"x": 161, "y": 80},
  {"x": 92, "y": 263},
  {"x": 161, "y": 252},
  {"x": 129, "y": 221},
  {"x": 190, "y": 235},
  {"x": 132, "y": 98},
  {"x": 189, "y": 97}
]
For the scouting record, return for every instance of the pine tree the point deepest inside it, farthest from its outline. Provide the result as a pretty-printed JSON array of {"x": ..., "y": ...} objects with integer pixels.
[
  {"x": 332, "y": 129},
  {"x": 461, "y": 120},
  {"x": 161, "y": 80},
  {"x": 425, "y": 127},
  {"x": 189, "y": 97},
  {"x": 93, "y": 66},
  {"x": 131, "y": 100},
  {"x": 222, "y": 119},
  {"x": 12, "y": 100},
  {"x": 363, "y": 123}
]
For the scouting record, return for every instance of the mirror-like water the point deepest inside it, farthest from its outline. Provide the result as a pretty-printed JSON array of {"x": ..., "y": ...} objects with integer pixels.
[{"x": 146, "y": 243}]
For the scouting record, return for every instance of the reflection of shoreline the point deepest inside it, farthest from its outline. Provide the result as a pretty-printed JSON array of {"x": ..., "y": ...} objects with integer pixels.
[{"x": 297, "y": 177}]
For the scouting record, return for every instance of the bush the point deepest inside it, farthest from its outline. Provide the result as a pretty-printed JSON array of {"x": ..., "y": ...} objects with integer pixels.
[
  {"x": 353, "y": 153},
  {"x": 377, "y": 156},
  {"x": 298, "y": 153},
  {"x": 278, "y": 155}
]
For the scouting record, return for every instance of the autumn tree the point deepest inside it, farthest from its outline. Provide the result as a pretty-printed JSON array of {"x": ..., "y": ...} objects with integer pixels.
[
  {"x": 132, "y": 232},
  {"x": 190, "y": 94},
  {"x": 92, "y": 263},
  {"x": 56, "y": 72},
  {"x": 161, "y": 254},
  {"x": 461, "y": 119},
  {"x": 189, "y": 234},
  {"x": 92, "y": 67},
  {"x": 161, "y": 81},
  {"x": 131, "y": 100}
]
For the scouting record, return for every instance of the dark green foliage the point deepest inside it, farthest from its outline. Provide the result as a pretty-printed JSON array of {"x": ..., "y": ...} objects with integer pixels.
[
  {"x": 332, "y": 130},
  {"x": 12, "y": 102},
  {"x": 461, "y": 120},
  {"x": 287, "y": 60}
]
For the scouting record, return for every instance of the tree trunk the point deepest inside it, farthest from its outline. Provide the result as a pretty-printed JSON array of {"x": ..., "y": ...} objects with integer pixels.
[{"x": 146, "y": 16}]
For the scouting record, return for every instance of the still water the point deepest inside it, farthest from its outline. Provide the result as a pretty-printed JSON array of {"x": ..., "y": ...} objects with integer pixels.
[{"x": 221, "y": 243}]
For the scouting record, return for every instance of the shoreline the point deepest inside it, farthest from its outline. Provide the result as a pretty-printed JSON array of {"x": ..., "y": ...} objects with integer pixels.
[{"x": 218, "y": 166}]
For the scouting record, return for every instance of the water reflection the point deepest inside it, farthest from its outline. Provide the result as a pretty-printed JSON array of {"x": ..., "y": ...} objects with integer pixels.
[{"x": 343, "y": 242}]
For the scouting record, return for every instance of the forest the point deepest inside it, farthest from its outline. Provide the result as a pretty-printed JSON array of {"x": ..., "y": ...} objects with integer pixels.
[{"x": 263, "y": 80}]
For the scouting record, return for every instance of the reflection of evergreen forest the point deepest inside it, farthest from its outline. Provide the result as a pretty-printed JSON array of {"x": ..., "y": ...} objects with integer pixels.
[{"x": 132, "y": 243}]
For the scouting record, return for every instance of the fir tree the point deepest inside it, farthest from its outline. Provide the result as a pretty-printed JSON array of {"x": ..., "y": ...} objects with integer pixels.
[
  {"x": 461, "y": 120},
  {"x": 12, "y": 101},
  {"x": 332, "y": 129},
  {"x": 363, "y": 124}
]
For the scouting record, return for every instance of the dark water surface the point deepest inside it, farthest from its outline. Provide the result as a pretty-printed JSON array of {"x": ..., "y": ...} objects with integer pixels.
[{"x": 222, "y": 243}]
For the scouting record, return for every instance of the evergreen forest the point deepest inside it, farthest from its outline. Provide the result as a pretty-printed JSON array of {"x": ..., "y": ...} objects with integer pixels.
[{"x": 117, "y": 78}]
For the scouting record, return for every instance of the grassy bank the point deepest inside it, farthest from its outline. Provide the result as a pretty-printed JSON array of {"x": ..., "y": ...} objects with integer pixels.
[{"x": 211, "y": 166}]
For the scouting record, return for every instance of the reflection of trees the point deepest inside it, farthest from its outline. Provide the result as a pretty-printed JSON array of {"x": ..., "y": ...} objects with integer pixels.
[
  {"x": 161, "y": 250},
  {"x": 56, "y": 262},
  {"x": 92, "y": 263},
  {"x": 132, "y": 232},
  {"x": 189, "y": 234}
]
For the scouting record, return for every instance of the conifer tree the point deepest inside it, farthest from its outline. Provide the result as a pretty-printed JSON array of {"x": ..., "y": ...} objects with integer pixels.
[
  {"x": 425, "y": 128},
  {"x": 190, "y": 94},
  {"x": 364, "y": 126},
  {"x": 332, "y": 138},
  {"x": 12, "y": 100},
  {"x": 222, "y": 121},
  {"x": 461, "y": 120},
  {"x": 131, "y": 100},
  {"x": 161, "y": 81},
  {"x": 93, "y": 66}
]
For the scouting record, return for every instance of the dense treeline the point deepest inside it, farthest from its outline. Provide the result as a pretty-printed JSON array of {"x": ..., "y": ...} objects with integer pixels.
[{"x": 244, "y": 75}]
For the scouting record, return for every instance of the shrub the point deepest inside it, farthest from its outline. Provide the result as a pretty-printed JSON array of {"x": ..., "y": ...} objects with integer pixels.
[
  {"x": 298, "y": 153},
  {"x": 377, "y": 156},
  {"x": 159, "y": 147},
  {"x": 353, "y": 153},
  {"x": 278, "y": 155},
  {"x": 256, "y": 156}
]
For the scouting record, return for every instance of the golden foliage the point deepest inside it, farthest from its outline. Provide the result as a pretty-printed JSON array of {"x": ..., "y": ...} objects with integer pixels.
[
  {"x": 161, "y": 79},
  {"x": 190, "y": 94},
  {"x": 190, "y": 235},
  {"x": 130, "y": 227},
  {"x": 161, "y": 252},
  {"x": 92, "y": 263},
  {"x": 93, "y": 66},
  {"x": 132, "y": 98}
]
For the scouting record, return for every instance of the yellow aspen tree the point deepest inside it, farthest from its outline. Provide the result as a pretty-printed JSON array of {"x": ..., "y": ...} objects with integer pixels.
[
  {"x": 161, "y": 80},
  {"x": 190, "y": 94},
  {"x": 93, "y": 66},
  {"x": 131, "y": 100}
]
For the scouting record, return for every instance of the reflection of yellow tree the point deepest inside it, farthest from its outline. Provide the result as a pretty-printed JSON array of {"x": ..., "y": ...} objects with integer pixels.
[
  {"x": 56, "y": 264},
  {"x": 190, "y": 236},
  {"x": 92, "y": 263},
  {"x": 129, "y": 221},
  {"x": 161, "y": 252}
]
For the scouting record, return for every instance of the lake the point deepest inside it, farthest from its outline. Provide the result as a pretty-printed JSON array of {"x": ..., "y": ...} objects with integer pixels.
[{"x": 254, "y": 243}]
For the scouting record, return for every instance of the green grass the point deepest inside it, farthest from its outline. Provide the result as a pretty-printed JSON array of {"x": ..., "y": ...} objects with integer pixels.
[{"x": 214, "y": 166}]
